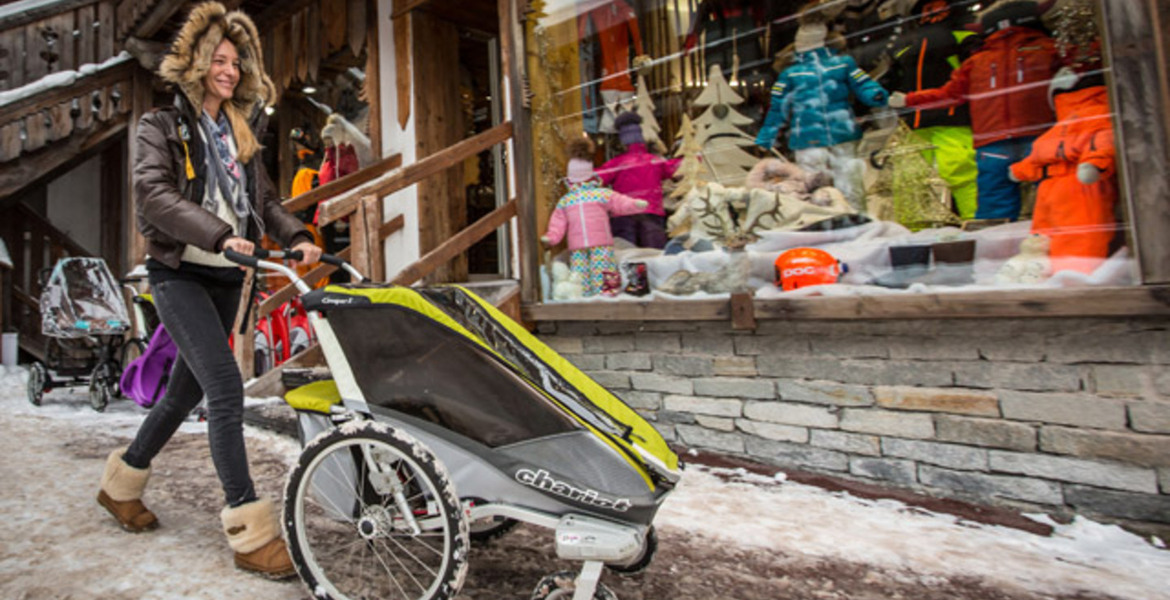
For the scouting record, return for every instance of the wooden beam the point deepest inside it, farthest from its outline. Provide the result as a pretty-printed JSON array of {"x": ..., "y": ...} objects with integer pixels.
[
  {"x": 391, "y": 227},
  {"x": 401, "y": 8},
  {"x": 157, "y": 17},
  {"x": 372, "y": 215},
  {"x": 373, "y": 81},
  {"x": 455, "y": 246},
  {"x": 413, "y": 173},
  {"x": 18, "y": 174},
  {"x": 14, "y": 15},
  {"x": 81, "y": 87},
  {"x": 271, "y": 383},
  {"x": 512, "y": 58},
  {"x": 402, "y": 63},
  {"x": 646, "y": 310},
  {"x": 743, "y": 315},
  {"x": 279, "y": 12},
  {"x": 340, "y": 186}
]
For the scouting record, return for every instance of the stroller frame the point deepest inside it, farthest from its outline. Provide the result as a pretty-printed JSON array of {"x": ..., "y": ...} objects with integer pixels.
[{"x": 345, "y": 441}]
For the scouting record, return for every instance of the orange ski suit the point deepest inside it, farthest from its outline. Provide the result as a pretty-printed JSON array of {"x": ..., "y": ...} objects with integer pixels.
[{"x": 1077, "y": 217}]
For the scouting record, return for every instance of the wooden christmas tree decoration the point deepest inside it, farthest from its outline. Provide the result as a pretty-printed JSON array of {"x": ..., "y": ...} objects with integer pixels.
[
  {"x": 690, "y": 170},
  {"x": 644, "y": 106},
  {"x": 719, "y": 136}
]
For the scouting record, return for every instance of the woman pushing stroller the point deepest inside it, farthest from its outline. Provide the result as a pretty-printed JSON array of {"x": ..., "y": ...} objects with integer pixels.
[{"x": 201, "y": 189}]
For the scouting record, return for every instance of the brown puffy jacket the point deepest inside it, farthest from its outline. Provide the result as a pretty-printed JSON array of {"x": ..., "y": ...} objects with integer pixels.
[{"x": 169, "y": 204}]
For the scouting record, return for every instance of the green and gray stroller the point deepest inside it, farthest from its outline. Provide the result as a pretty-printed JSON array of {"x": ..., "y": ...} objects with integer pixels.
[{"x": 443, "y": 419}]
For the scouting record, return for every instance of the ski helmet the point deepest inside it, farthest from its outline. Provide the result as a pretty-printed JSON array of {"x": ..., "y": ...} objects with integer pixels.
[{"x": 802, "y": 267}]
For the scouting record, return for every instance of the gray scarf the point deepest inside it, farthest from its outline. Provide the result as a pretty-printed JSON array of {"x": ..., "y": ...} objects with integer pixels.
[{"x": 224, "y": 172}]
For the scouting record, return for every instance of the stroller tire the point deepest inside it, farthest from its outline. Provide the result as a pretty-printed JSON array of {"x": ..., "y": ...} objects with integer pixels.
[
  {"x": 103, "y": 385},
  {"x": 643, "y": 560},
  {"x": 38, "y": 382},
  {"x": 486, "y": 530},
  {"x": 348, "y": 533},
  {"x": 562, "y": 585}
]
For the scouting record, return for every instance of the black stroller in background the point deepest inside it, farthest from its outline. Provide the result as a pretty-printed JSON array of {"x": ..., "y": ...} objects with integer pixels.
[{"x": 84, "y": 319}]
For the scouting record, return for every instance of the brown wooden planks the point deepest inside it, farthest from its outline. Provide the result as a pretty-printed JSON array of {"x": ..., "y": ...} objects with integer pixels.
[{"x": 356, "y": 26}]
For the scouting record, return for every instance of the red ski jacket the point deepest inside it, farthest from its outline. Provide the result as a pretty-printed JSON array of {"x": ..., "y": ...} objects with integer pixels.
[{"x": 1005, "y": 83}]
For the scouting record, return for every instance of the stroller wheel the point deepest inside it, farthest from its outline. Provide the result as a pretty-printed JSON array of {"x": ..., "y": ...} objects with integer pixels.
[
  {"x": 486, "y": 530},
  {"x": 639, "y": 564},
  {"x": 103, "y": 385},
  {"x": 562, "y": 585},
  {"x": 371, "y": 513},
  {"x": 38, "y": 382}
]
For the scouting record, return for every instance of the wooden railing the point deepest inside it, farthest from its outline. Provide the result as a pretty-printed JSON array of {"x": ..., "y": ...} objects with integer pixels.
[
  {"x": 358, "y": 196},
  {"x": 52, "y": 37},
  {"x": 33, "y": 245}
]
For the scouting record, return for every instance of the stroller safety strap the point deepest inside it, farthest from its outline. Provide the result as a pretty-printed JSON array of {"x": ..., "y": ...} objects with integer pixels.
[{"x": 318, "y": 396}]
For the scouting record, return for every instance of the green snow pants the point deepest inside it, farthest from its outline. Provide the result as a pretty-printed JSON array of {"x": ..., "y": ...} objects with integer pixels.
[{"x": 953, "y": 156}]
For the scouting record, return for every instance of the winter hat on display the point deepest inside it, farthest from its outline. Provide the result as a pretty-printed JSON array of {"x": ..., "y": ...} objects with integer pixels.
[
  {"x": 931, "y": 11},
  {"x": 580, "y": 161},
  {"x": 1011, "y": 13},
  {"x": 629, "y": 128}
]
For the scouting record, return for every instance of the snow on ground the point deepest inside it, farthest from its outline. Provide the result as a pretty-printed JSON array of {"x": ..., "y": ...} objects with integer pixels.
[{"x": 52, "y": 531}]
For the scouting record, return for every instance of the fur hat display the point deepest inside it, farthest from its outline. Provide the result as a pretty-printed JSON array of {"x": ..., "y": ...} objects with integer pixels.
[
  {"x": 189, "y": 58},
  {"x": 629, "y": 127},
  {"x": 580, "y": 160}
]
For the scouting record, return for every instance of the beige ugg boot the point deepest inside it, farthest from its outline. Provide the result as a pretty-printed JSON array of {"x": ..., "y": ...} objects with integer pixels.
[
  {"x": 121, "y": 494},
  {"x": 253, "y": 531}
]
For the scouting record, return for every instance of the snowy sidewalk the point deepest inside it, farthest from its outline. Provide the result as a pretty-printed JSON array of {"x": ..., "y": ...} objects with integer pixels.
[{"x": 724, "y": 534}]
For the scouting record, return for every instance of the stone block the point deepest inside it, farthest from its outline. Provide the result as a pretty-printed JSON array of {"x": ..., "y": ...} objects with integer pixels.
[
  {"x": 881, "y": 422},
  {"x": 657, "y": 342},
  {"x": 988, "y": 433},
  {"x": 1149, "y": 416},
  {"x": 773, "y": 345},
  {"x": 824, "y": 392},
  {"x": 1017, "y": 376},
  {"x": 718, "y": 407},
  {"x": 797, "y": 455},
  {"x": 951, "y": 456},
  {"x": 1012, "y": 349},
  {"x": 948, "y": 400},
  {"x": 1162, "y": 382},
  {"x": 712, "y": 344},
  {"x": 856, "y": 371},
  {"x": 901, "y": 472},
  {"x": 642, "y": 400},
  {"x": 1132, "y": 347},
  {"x": 853, "y": 443},
  {"x": 587, "y": 362},
  {"x": 697, "y": 437},
  {"x": 608, "y": 344},
  {"x": 666, "y": 430},
  {"x": 629, "y": 361},
  {"x": 716, "y": 423},
  {"x": 985, "y": 486},
  {"x": 546, "y": 329},
  {"x": 1119, "y": 505},
  {"x": 653, "y": 382},
  {"x": 581, "y": 329},
  {"x": 1141, "y": 449},
  {"x": 691, "y": 366},
  {"x": 676, "y": 418},
  {"x": 666, "y": 326},
  {"x": 1124, "y": 381},
  {"x": 773, "y": 431},
  {"x": 1074, "y": 470},
  {"x": 565, "y": 345},
  {"x": 735, "y": 366},
  {"x": 932, "y": 348},
  {"x": 612, "y": 379},
  {"x": 788, "y": 413},
  {"x": 1080, "y": 410},
  {"x": 850, "y": 347},
  {"x": 735, "y": 387},
  {"x": 1164, "y": 480}
]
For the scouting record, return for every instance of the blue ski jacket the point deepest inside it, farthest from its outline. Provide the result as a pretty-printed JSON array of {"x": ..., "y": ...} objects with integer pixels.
[{"x": 812, "y": 97}]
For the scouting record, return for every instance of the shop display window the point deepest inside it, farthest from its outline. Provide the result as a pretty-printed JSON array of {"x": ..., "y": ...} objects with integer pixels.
[{"x": 789, "y": 148}]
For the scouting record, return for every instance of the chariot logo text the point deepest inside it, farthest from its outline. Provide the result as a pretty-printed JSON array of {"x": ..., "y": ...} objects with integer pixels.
[{"x": 542, "y": 481}]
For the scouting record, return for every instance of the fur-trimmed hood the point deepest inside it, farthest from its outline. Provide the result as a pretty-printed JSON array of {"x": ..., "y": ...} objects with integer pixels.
[{"x": 189, "y": 58}]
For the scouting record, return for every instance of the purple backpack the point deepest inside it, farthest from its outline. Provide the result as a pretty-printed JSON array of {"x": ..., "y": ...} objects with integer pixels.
[{"x": 145, "y": 379}]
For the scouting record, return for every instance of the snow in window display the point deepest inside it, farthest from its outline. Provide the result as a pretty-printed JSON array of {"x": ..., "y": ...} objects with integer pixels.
[{"x": 910, "y": 225}]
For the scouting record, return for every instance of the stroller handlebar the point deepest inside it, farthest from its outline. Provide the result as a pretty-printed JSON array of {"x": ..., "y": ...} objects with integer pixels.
[{"x": 255, "y": 261}]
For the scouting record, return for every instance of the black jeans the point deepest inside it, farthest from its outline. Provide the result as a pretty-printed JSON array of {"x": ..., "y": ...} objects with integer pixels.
[{"x": 199, "y": 315}]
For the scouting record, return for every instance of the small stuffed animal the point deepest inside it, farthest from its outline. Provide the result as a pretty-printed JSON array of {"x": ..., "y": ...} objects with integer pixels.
[
  {"x": 1031, "y": 265},
  {"x": 566, "y": 284}
]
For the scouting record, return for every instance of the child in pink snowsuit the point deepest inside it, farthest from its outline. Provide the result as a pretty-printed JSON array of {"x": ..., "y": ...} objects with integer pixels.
[
  {"x": 639, "y": 174},
  {"x": 583, "y": 215}
]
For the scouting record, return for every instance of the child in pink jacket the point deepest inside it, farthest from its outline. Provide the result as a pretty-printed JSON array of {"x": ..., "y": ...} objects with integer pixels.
[{"x": 583, "y": 215}]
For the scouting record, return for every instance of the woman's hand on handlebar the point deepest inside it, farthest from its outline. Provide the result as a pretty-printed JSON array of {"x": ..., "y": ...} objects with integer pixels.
[
  {"x": 309, "y": 251},
  {"x": 239, "y": 244}
]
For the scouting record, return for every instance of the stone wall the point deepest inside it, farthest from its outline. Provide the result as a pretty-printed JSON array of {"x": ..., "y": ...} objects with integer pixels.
[{"x": 1058, "y": 415}]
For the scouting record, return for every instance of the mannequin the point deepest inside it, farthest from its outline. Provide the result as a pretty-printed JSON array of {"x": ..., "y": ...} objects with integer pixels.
[
  {"x": 1005, "y": 85},
  {"x": 615, "y": 24},
  {"x": 1074, "y": 162},
  {"x": 639, "y": 174},
  {"x": 813, "y": 97},
  {"x": 924, "y": 58},
  {"x": 582, "y": 216}
]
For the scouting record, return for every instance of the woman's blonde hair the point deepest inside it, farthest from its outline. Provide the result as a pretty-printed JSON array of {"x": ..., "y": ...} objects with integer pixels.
[{"x": 189, "y": 60}]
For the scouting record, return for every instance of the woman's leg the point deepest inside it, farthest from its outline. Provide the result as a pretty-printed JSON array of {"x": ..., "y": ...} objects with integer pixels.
[{"x": 199, "y": 318}]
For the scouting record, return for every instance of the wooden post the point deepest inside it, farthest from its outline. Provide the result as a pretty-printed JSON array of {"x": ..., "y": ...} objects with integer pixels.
[
  {"x": 512, "y": 60},
  {"x": 743, "y": 316},
  {"x": 359, "y": 237},
  {"x": 372, "y": 216}
]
